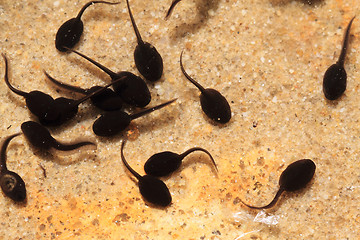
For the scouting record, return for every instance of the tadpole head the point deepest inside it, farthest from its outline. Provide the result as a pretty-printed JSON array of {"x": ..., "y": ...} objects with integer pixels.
[
  {"x": 42, "y": 105},
  {"x": 69, "y": 34},
  {"x": 111, "y": 123},
  {"x": 154, "y": 191},
  {"x": 37, "y": 135},
  {"x": 13, "y": 186},
  {"x": 334, "y": 83},
  {"x": 297, "y": 175},
  {"x": 162, "y": 164},
  {"x": 148, "y": 61},
  {"x": 107, "y": 100},
  {"x": 132, "y": 89},
  {"x": 215, "y": 105}
]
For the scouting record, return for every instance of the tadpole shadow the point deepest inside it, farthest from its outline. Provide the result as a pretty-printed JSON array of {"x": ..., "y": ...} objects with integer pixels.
[
  {"x": 163, "y": 119},
  {"x": 61, "y": 158},
  {"x": 312, "y": 3},
  {"x": 203, "y": 7},
  {"x": 190, "y": 160}
]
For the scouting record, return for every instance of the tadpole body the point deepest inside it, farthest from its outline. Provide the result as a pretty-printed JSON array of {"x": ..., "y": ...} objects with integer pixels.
[
  {"x": 214, "y": 105},
  {"x": 108, "y": 100},
  {"x": 295, "y": 177},
  {"x": 112, "y": 123},
  {"x": 12, "y": 185},
  {"x": 38, "y": 103},
  {"x": 164, "y": 163},
  {"x": 152, "y": 189},
  {"x": 132, "y": 89},
  {"x": 335, "y": 77},
  {"x": 147, "y": 59},
  {"x": 70, "y": 31},
  {"x": 40, "y": 137}
]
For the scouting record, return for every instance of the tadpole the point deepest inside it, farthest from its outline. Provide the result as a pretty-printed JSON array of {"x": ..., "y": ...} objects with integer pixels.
[
  {"x": 295, "y": 177},
  {"x": 11, "y": 183},
  {"x": 112, "y": 123},
  {"x": 147, "y": 59},
  {"x": 133, "y": 89},
  {"x": 335, "y": 77},
  {"x": 70, "y": 31},
  {"x": 152, "y": 189},
  {"x": 40, "y": 137},
  {"x": 164, "y": 163},
  {"x": 214, "y": 105},
  {"x": 38, "y": 103}
]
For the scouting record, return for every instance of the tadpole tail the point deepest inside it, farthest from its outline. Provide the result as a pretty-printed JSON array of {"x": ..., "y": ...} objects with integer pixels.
[
  {"x": 77, "y": 102},
  {"x": 102, "y": 67},
  {"x": 6, "y": 78},
  {"x": 173, "y": 4},
  {"x": 82, "y": 10},
  {"x": 137, "y": 33},
  {"x": 149, "y": 110},
  {"x": 184, "y": 154},
  {"x": 341, "y": 60},
  {"x": 188, "y": 76},
  {"x": 138, "y": 176},
  {"x": 64, "y": 85},
  {"x": 4, "y": 146},
  {"x": 271, "y": 204},
  {"x": 69, "y": 147}
]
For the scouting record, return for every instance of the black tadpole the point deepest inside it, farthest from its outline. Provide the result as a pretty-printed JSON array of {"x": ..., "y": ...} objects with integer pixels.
[
  {"x": 70, "y": 31},
  {"x": 108, "y": 100},
  {"x": 334, "y": 82},
  {"x": 214, "y": 105},
  {"x": 133, "y": 89},
  {"x": 147, "y": 59},
  {"x": 171, "y": 8},
  {"x": 38, "y": 103},
  {"x": 164, "y": 163},
  {"x": 41, "y": 138},
  {"x": 112, "y": 123},
  {"x": 295, "y": 177},
  {"x": 12, "y": 185},
  {"x": 152, "y": 189}
]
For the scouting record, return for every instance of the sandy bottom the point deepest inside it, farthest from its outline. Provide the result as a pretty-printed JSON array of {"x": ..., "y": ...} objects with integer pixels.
[{"x": 267, "y": 57}]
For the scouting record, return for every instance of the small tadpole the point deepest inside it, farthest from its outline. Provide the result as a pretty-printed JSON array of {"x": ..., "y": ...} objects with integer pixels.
[
  {"x": 40, "y": 137},
  {"x": 70, "y": 31},
  {"x": 147, "y": 59},
  {"x": 152, "y": 189},
  {"x": 12, "y": 185},
  {"x": 108, "y": 100},
  {"x": 171, "y": 8},
  {"x": 132, "y": 89},
  {"x": 164, "y": 163},
  {"x": 334, "y": 82},
  {"x": 40, "y": 104},
  {"x": 295, "y": 177},
  {"x": 112, "y": 123},
  {"x": 214, "y": 105}
]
